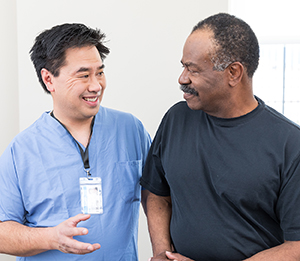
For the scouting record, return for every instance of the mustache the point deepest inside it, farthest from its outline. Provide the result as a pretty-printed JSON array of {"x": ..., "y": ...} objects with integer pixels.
[{"x": 188, "y": 89}]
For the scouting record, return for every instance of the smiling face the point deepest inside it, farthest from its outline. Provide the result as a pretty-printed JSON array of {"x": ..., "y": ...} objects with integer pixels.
[
  {"x": 78, "y": 90},
  {"x": 204, "y": 88}
]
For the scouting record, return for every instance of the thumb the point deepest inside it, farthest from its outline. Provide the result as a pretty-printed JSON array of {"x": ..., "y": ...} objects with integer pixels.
[
  {"x": 177, "y": 257},
  {"x": 171, "y": 256}
]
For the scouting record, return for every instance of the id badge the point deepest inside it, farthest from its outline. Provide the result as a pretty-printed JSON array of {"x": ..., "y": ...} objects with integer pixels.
[{"x": 91, "y": 195}]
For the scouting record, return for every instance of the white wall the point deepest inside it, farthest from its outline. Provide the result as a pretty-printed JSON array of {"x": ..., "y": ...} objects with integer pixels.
[
  {"x": 145, "y": 38},
  {"x": 9, "y": 101},
  {"x": 9, "y": 104},
  {"x": 275, "y": 21}
]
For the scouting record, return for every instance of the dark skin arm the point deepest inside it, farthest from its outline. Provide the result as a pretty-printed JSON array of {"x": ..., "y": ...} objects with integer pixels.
[
  {"x": 288, "y": 251},
  {"x": 158, "y": 210}
]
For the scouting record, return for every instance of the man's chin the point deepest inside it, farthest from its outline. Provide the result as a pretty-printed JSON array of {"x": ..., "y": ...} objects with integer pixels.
[
  {"x": 192, "y": 101},
  {"x": 193, "y": 105}
]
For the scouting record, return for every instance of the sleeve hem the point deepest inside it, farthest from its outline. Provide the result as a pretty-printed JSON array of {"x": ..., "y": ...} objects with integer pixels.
[
  {"x": 153, "y": 190},
  {"x": 292, "y": 236}
]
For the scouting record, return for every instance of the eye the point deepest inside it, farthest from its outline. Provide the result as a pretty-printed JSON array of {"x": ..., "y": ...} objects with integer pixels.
[
  {"x": 100, "y": 74},
  {"x": 190, "y": 69},
  {"x": 193, "y": 71},
  {"x": 83, "y": 76}
]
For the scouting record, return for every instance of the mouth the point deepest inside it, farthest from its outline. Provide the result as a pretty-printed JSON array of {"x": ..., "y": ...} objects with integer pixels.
[
  {"x": 187, "y": 89},
  {"x": 90, "y": 99}
]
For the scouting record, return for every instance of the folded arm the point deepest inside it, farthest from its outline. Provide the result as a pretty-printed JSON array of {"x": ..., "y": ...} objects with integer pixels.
[
  {"x": 288, "y": 251},
  {"x": 19, "y": 240}
]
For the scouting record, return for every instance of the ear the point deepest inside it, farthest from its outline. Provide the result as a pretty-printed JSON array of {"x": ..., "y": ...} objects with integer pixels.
[
  {"x": 47, "y": 78},
  {"x": 236, "y": 71}
]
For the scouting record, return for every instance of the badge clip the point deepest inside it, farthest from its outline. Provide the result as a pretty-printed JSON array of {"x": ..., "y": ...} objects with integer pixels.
[{"x": 88, "y": 174}]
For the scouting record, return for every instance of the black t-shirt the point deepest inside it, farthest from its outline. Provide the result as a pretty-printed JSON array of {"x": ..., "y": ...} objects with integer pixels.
[{"x": 234, "y": 183}]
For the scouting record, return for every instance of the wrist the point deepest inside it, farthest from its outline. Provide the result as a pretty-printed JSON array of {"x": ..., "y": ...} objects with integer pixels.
[
  {"x": 162, "y": 251},
  {"x": 50, "y": 238}
]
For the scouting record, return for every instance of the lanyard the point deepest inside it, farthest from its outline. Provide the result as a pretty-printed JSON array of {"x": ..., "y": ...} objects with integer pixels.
[{"x": 84, "y": 154}]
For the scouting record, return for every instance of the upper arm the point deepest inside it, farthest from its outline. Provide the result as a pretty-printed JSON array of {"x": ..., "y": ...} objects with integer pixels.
[
  {"x": 156, "y": 204},
  {"x": 144, "y": 196},
  {"x": 11, "y": 203}
]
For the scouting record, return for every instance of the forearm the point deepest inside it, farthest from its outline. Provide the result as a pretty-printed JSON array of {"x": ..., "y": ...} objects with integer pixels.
[
  {"x": 158, "y": 211},
  {"x": 20, "y": 240},
  {"x": 288, "y": 251}
]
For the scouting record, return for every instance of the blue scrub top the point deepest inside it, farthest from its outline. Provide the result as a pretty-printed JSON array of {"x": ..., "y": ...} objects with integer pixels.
[{"x": 40, "y": 173}]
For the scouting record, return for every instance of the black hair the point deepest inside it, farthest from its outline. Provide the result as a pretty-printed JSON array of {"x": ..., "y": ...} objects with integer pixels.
[
  {"x": 49, "y": 49},
  {"x": 234, "y": 40}
]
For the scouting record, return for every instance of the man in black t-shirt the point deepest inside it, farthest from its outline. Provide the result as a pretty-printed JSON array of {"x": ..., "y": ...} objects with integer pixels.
[{"x": 223, "y": 173}]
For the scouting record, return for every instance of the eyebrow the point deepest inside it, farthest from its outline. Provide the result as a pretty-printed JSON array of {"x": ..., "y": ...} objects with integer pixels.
[
  {"x": 85, "y": 69},
  {"x": 189, "y": 64}
]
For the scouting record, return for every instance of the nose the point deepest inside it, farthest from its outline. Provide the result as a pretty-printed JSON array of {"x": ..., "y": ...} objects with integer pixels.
[
  {"x": 96, "y": 85},
  {"x": 184, "y": 78}
]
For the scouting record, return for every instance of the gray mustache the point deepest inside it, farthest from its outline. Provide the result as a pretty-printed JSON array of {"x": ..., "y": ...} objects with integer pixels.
[{"x": 186, "y": 88}]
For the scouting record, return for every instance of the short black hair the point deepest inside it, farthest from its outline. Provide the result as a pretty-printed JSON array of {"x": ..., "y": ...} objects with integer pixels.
[
  {"x": 49, "y": 49},
  {"x": 234, "y": 40}
]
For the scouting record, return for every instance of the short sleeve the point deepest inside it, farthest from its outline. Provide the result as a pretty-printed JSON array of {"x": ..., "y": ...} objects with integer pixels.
[
  {"x": 288, "y": 202},
  {"x": 145, "y": 140},
  {"x": 11, "y": 204},
  {"x": 153, "y": 178}
]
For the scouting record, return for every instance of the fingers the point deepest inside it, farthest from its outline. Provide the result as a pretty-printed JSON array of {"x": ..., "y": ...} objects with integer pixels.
[
  {"x": 69, "y": 227},
  {"x": 68, "y": 244},
  {"x": 177, "y": 257},
  {"x": 170, "y": 255},
  {"x": 65, "y": 232},
  {"x": 75, "y": 247},
  {"x": 78, "y": 218},
  {"x": 161, "y": 257},
  {"x": 94, "y": 247}
]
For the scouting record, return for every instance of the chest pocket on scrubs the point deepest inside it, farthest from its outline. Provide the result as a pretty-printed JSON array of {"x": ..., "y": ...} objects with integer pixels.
[{"x": 128, "y": 174}]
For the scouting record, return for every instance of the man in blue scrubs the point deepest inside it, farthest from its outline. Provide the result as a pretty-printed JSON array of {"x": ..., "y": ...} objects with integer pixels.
[{"x": 78, "y": 158}]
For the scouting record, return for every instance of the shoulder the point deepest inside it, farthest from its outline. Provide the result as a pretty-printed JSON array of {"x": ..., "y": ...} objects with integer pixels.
[
  {"x": 119, "y": 119},
  {"x": 179, "y": 107},
  {"x": 26, "y": 139},
  {"x": 32, "y": 131},
  {"x": 121, "y": 124},
  {"x": 106, "y": 113},
  {"x": 272, "y": 116},
  {"x": 280, "y": 131},
  {"x": 181, "y": 113},
  {"x": 280, "y": 121}
]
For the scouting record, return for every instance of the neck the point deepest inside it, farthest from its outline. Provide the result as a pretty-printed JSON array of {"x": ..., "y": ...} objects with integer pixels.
[
  {"x": 82, "y": 133},
  {"x": 240, "y": 101},
  {"x": 235, "y": 107},
  {"x": 80, "y": 130},
  {"x": 243, "y": 107}
]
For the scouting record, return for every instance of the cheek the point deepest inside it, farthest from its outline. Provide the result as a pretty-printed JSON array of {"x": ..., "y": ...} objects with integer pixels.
[
  {"x": 208, "y": 84},
  {"x": 74, "y": 87},
  {"x": 103, "y": 83}
]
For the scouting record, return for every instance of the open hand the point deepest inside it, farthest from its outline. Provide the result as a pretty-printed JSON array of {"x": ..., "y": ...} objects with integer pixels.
[{"x": 63, "y": 236}]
